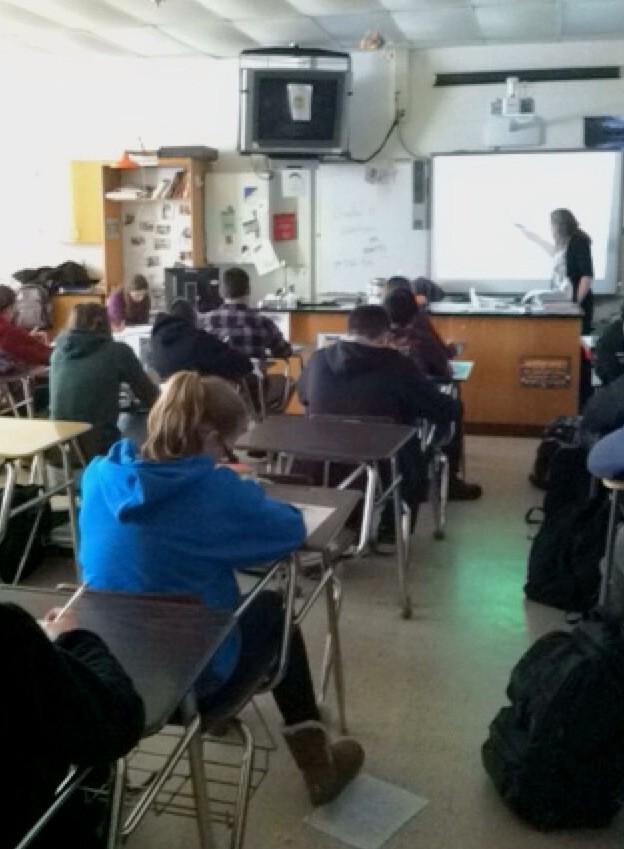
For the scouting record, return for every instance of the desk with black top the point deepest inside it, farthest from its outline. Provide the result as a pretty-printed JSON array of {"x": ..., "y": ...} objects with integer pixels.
[
  {"x": 163, "y": 645},
  {"x": 342, "y": 440}
]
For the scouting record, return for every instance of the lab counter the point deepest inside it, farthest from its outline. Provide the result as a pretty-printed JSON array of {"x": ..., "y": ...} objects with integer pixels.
[{"x": 526, "y": 364}]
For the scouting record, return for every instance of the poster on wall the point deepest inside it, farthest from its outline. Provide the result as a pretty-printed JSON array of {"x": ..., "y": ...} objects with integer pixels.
[{"x": 284, "y": 226}]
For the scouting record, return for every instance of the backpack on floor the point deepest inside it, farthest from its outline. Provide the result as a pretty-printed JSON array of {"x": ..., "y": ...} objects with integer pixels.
[
  {"x": 18, "y": 533},
  {"x": 564, "y": 560},
  {"x": 564, "y": 430},
  {"x": 34, "y": 308},
  {"x": 556, "y": 755}
]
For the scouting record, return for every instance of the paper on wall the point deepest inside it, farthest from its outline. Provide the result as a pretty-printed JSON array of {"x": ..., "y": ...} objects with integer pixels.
[
  {"x": 264, "y": 257},
  {"x": 293, "y": 184}
]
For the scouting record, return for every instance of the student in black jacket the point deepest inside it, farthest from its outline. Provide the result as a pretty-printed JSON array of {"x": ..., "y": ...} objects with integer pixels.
[
  {"x": 65, "y": 701},
  {"x": 365, "y": 377},
  {"x": 609, "y": 353},
  {"x": 179, "y": 345}
]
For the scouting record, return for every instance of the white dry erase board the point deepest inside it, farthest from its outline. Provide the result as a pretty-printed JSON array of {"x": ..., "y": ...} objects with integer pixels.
[
  {"x": 478, "y": 199},
  {"x": 366, "y": 230}
]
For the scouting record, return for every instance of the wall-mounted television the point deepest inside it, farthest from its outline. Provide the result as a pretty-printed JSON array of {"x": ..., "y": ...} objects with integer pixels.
[{"x": 293, "y": 102}]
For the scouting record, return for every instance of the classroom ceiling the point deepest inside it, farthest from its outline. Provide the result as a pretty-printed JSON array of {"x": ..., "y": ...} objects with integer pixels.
[{"x": 222, "y": 28}]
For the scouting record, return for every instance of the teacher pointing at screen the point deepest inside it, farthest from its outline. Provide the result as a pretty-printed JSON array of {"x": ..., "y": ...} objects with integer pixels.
[{"x": 573, "y": 270}]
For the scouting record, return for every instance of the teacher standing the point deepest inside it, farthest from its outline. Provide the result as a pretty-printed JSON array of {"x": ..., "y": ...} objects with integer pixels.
[
  {"x": 579, "y": 268},
  {"x": 573, "y": 269}
]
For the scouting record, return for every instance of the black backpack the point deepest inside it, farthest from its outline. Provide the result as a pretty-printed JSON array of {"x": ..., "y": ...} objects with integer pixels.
[
  {"x": 556, "y": 755},
  {"x": 564, "y": 561},
  {"x": 18, "y": 533},
  {"x": 564, "y": 430}
]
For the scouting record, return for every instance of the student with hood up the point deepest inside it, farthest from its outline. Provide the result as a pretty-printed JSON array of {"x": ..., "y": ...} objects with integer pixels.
[
  {"x": 178, "y": 344},
  {"x": 87, "y": 369}
]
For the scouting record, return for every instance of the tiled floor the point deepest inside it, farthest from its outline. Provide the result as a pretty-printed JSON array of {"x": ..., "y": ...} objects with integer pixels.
[{"x": 421, "y": 693}]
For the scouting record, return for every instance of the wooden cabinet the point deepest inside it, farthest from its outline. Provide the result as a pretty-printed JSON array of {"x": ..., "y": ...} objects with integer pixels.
[
  {"x": 495, "y": 400},
  {"x": 62, "y": 306}
]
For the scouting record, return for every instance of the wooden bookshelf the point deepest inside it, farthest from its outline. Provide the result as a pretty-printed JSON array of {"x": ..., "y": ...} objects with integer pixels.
[{"x": 117, "y": 266}]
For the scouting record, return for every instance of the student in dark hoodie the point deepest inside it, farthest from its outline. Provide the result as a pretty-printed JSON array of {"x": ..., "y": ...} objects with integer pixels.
[
  {"x": 365, "y": 377},
  {"x": 87, "y": 370},
  {"x": 170, "y": 519},
  {"x": 179, "y": 345},
  {"x": 413, "y": 334},
  {"x": 65, "y": 701}
]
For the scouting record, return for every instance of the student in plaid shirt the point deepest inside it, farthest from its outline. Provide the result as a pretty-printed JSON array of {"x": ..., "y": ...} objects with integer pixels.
[{"x": 242, "y": 327}]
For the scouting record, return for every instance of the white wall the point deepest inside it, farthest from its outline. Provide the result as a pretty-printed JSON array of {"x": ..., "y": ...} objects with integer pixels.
[{"x": 55, "y": 110}]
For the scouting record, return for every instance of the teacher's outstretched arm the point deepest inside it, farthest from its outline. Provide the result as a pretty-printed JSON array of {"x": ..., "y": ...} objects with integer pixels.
[{"x": 544, "y": 244}]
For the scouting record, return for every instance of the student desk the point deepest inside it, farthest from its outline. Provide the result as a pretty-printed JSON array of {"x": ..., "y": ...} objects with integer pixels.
[
  {"x": 30, "y": 439},
  {"x": 341, "y": 503},
  {"x": 356, "y": 443},
  {"x": 163, "y": 645}
]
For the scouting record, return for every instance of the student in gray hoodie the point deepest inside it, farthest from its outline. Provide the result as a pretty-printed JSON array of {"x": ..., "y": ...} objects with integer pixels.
[{"x": 87, "y": 369}]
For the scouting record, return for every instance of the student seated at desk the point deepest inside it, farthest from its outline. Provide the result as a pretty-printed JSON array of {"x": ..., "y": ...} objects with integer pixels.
[
  {"x": 365, "y": 376},
  {"x": 179, "y": 345},
  {"x": 609, "y": 352},
  {"x": 242, "y": 327},
  {"x": 130, "y": 305},
  {"x": 18, "y": 347},
  {"x": 65, "y": 701},
  {"x": 414, "y": 335},
  {"x": 167, "y": 519},
  {"x": 87, "y": 369}
]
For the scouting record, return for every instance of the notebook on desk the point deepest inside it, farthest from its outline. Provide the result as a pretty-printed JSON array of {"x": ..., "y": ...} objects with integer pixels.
[{"x": 461, "y": 369}]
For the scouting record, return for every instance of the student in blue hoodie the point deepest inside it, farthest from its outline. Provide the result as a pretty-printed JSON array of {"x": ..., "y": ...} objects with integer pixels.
[{"x": 170, "y": 519}]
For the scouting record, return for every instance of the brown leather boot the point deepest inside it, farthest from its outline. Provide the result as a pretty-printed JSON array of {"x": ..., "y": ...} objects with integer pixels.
[{"x": 327, "y": 767}]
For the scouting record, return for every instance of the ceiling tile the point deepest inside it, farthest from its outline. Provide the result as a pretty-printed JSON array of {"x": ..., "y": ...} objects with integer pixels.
[
  {"x": 439, "y": 26},
  {"x": 78, "y": 14},
  {"x": 420, "y": 5},
  {"x": 241, "y": 10},
  {"x": 335, "y": 7},
  {"x": 349, "y": 29},
  {"x": 220, "y": 39},
  {"x": 593, "y": 17},
  {"x": 170, "y": 12},
  {"x": 303, "y": 31},
  {"x": 521, "y": 22},
  {"x": 145, "y": 41},
  {"x": 13, "y": 19}
]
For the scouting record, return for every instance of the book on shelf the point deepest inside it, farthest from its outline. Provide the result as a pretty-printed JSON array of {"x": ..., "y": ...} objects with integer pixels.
[
  {"x": 162, "y": 188},
  {"x": 127, "y": 193}
]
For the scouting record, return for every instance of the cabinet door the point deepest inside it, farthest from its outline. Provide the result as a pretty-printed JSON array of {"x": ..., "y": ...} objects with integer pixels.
[{"x": 86, "y": 186}]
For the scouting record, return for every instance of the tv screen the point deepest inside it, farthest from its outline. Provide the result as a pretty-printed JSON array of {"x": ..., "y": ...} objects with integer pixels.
[
  {"x": 294, "y": 104},
  {"x": 292, "y": 108}
]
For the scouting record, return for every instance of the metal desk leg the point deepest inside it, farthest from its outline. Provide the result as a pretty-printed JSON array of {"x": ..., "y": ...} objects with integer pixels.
[
  {"x": 402, "y": 565},
  {"x": 29, "y": 396},
  {"x": 118, "y": 790},
  {"x": 369, "y": 506},
  {"x": 196, "y": 762},
  {"x": 71, "y": 498},
  {"x": 605, "y": 586},
  {"x": 333, "y": 658},
  {"x": 10, "y": 470}
]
